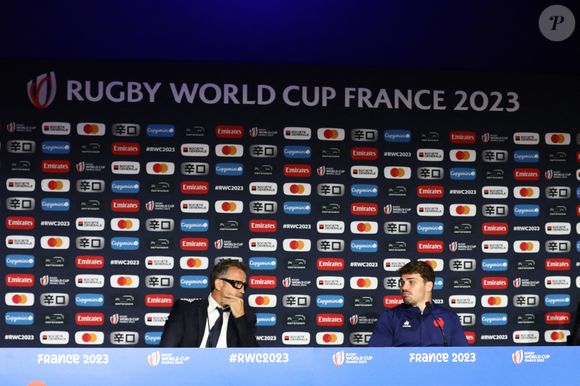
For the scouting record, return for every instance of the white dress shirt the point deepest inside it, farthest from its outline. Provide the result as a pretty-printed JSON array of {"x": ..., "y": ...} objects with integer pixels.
[{"x": 212, "y": 316}]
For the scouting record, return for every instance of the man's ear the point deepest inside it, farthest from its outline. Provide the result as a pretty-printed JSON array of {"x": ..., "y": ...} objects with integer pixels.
[
  {"x": 429, "y": 286},
  {"x": 218, "y": 284}
]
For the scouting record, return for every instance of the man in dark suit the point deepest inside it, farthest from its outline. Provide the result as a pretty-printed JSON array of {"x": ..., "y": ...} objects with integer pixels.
[{"x": 221, "y": 320}]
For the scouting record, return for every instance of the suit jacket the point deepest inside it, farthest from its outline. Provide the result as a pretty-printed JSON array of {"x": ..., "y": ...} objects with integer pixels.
[{"x": 187, "y": 321}]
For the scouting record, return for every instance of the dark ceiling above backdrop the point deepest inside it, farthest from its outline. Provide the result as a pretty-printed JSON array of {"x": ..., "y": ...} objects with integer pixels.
[{"x": 420, "y": 34}]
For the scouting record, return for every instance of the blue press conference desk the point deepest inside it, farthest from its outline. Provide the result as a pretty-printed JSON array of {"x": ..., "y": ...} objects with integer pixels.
[{"x": 291, "y": 366}]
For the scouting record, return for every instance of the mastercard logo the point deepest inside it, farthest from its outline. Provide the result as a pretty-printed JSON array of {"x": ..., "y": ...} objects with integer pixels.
[
  {"x": 262, "y": 300},
  {"x": 432, "y": 263},
  {"x": 55, "y": 185},
  {"x": 364, "y": 282},
  {"x": 526, "y": 192},
  {"x": 329, "y": 338},
  {"x": 125, "y": 224},
  {"x": 557, "y": 335},
  {"x": 90, "y": 129},
  {"x": 364, "y": 227},
  {"x": 89, "y": 337},
  {"x": 193, "y": 262},
  {"x": 54, "y": 242},
  {"x": 229, "y": 206},
  {"x": 463, "y": 210},
  {"x": 331, "y": 134},
  {"x": 397, "y": 172},
  {"x": 493, "y": 300},
  {"x": 463, "y": 155},
  {"x": 19, "y": 299},
  {"x": 124, "y": 281},
  {"x": 160, "y": 167},
  {"x": 526, "y": 246},
  {"x": 297, "y": 189},
  {"x": 558, "y": 138},
  {"x": 296, "y": 245},
  {"x": 229, "y": 150}
]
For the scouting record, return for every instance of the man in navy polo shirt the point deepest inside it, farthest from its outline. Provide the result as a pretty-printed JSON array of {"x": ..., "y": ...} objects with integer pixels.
[{"x": 417, "y": 322}]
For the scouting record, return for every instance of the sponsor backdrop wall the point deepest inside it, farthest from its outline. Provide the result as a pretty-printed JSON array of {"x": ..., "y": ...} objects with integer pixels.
[{"x": 124, "y": 182}]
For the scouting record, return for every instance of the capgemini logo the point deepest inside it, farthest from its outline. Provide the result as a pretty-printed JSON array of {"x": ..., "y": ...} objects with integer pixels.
[
  {"x": 338, "y": 358},
  {"x": 518, "y": 357},
  {"x": 42, "y": 90},
  {"x": 154, "y": 358}
]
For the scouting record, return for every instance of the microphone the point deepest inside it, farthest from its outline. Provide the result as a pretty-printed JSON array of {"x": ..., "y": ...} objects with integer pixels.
[{"x": 428, "y": 305}]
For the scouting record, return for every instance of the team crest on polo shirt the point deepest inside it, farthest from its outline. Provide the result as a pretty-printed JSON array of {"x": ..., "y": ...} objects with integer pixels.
[
  {"x": 407, "y": 324},
  {"x": 441, "y": 322}
]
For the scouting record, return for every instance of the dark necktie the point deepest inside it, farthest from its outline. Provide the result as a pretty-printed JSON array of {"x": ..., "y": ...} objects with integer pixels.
[{"x": 216, "y": 329}]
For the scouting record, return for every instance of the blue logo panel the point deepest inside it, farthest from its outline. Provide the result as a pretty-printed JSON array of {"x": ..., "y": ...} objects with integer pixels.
[
  {"x": 494, "y": 265},
  {"x": 397, "y": 136},
  {"x": 297, "y": 207},
  {"x": 364, "y": 190},
  {"x": 330, "y": 301},
  {"x": 259, "y": 263}
]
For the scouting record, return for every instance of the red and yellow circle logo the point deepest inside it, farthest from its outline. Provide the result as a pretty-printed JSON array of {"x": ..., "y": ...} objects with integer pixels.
[
  {"x": 125, "y": 224},
  {"x": 55, "y": 185},
  {"x": 262, "y": 300},
  {"x": 462, "y": 209},
  {"x": 364, "y": 227},
  {"x": 397, "y": 172},
  {"x": 297, "y": 188},
  {"x": 90, "y": 128},
  {"x": 494, "y": 301},
  {"x": 296, "y": 244},
  {"x": 124, "y": 281},
  {"x": 558, "y": 138},
  {"x": 54, "y": 242},
  {"x": 229, "y": 150},
  {"x": 229, "y": 206},
  {"x": 363, "y": 282},
  {"x": 463, "y": 155},
  {"x": 193, "y": 262},
  {"x": 329, "y": 338},
  {"x": 159, "y": 167},
  {"x": 89, "y": 337},
  {"x": 19, "y": 299},
  {"x": 331, "y": 134}
]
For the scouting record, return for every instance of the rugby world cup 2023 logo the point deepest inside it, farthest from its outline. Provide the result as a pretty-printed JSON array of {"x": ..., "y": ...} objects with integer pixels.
[
  {"x": 518, "y": 357},
  {"x": 42, "y": 90},
  {"x": 338, "y": 358},
  {"x": 154, "y": 359}
]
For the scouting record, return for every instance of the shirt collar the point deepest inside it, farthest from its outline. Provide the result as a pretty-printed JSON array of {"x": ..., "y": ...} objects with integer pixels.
[{"x": 213, "y": 305}]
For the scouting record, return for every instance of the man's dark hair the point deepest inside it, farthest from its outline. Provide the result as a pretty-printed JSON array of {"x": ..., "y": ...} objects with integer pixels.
[
  {"x": 419, "y": 267},
  {"x": 220, "y": 269}
]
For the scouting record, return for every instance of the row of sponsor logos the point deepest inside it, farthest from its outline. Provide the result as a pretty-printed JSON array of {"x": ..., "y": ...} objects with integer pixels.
[
  {"x": 233, "y": 150},
  {"x": 21, "y": 203},
  {"x": 63, "y": 185},
  {"x": 127, "y": 280},
  {"x": 60, "y": 242},
  {"x": 269, "y": 263},
  {"x": 62, "y": 299},
  {"x": 93, "y": 337},
  {"x": 201, "y": 225},
  {"x": 158, "y": 319},
  {"x": 293, "y": 170},
  {"x": 236, "y": 169},
  {"x": 294, "y": 133}
]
